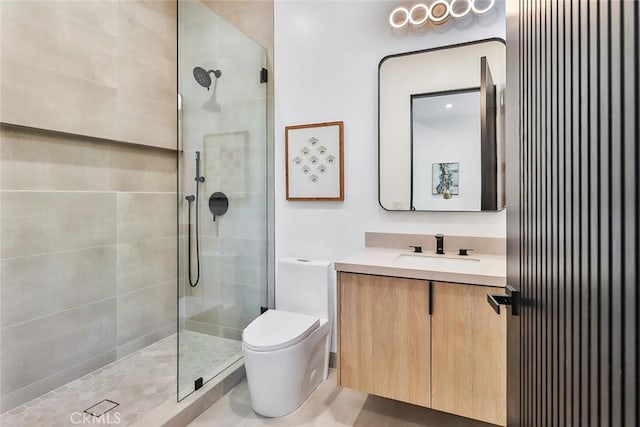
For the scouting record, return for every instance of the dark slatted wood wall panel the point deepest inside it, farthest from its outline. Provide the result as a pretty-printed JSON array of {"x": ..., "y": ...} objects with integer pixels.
[{"x": 578, "y": 212}]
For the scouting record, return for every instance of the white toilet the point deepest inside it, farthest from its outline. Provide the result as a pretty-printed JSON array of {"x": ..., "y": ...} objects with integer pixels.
[{"x": 286, "y": 350}]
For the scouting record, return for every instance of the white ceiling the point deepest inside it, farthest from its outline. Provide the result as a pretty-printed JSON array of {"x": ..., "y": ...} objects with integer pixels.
[{"x": 434, "y": 107}]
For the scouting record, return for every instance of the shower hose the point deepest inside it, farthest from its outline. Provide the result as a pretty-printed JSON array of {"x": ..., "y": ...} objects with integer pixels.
[{"x": 191, "y": 283}]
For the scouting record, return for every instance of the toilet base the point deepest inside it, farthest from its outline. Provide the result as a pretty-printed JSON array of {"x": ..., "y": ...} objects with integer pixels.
[{"x": 281, "y": 380}]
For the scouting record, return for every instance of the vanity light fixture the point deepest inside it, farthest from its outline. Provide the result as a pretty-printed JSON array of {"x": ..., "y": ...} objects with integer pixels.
[
  {"x": 438, "y": 12},
  {"x": 456, "y": 12},
  {"x": 399, "y": 17},
  {"x": 419, "y": 14},
  {"x": 481, "y": 11}
]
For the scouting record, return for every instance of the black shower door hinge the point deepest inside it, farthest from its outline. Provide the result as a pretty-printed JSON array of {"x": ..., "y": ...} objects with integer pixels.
[{"x": 264, "y": 75}]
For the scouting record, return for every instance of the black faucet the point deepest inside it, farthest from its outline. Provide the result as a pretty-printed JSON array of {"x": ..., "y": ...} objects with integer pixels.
[{"x": 440, "y": 244}]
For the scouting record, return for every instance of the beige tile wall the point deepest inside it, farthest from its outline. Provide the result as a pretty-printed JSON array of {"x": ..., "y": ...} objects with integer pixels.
[
  {"x": 252, "y": 17},
  {"x": 87, "y": 255},
  {"x": 87, "y": 227},
  {"x": 104, "y": 69},
  {"x": 255, "y": 18}
]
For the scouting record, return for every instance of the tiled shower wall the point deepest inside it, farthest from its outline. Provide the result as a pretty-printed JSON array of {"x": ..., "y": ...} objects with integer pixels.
[
  {"x": 105, "y": 69},
  {"x": 255, "y": 19},
  {"x": 88, "y": 256},
  {"x": 234, "y": 148},
  {"x": 87, "y": 223}
]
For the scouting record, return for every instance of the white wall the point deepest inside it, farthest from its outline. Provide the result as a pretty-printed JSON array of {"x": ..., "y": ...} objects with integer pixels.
[{"x": 326, "y": 69}]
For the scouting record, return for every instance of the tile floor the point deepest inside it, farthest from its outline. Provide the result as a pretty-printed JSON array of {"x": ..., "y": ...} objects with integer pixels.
[
  {"x": 329, "y": 405},
  {"x": 203, "y": 355},
  {"x": 138, "y": 382}
]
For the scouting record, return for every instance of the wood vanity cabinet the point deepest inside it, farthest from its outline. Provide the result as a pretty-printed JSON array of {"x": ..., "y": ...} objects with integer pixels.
[
  {"x": 468, "y": 353},
  {"x": 437, "y": 345},
  {"x": 384, "y": 336}
]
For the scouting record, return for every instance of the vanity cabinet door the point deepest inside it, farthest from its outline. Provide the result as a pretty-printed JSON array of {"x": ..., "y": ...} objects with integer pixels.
[
  {"x": 468, "y": 353},
  {"x": 384, "y": 336}
]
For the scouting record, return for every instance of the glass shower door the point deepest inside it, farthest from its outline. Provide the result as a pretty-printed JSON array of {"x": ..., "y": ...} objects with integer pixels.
[{"x": 222, "y": 173}]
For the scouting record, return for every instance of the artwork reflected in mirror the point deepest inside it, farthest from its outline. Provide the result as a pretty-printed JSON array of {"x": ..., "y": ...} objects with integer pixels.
[{"x": 446, "y": 179}]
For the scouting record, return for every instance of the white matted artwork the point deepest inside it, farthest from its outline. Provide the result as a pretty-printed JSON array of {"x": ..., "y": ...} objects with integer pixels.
[
  {"x": 446, "y": 176},
  {"x": 314, "y": 161}
]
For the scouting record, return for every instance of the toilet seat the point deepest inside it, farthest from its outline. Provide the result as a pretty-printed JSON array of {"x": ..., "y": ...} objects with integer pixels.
[{"x": 278, "y": 329}]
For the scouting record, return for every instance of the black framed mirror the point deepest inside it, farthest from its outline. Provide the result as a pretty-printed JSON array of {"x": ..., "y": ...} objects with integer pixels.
[{"x": 441, "y": 128}]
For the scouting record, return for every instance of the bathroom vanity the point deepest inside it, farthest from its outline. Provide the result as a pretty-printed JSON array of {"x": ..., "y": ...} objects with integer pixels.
[{"x": 417, "y": 327}]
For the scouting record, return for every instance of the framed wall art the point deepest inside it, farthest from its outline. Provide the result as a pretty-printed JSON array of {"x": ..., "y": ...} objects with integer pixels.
[{"x": 314, "y": 161}]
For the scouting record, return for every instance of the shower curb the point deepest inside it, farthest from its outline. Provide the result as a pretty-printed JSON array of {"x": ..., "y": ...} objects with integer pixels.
[{"x": 180, "y": 414}]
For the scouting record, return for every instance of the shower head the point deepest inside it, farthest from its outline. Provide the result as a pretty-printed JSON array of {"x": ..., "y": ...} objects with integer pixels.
[{"x": 203, "y": 78}]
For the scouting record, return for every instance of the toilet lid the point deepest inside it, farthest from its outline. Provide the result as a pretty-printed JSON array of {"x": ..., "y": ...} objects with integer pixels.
[{"x": 276, "y": 329}]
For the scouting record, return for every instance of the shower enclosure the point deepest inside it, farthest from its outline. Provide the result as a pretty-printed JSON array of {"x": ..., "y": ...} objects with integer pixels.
[
  {"x": 222, "y": 185},
  {"x": 129, "y": 262}
]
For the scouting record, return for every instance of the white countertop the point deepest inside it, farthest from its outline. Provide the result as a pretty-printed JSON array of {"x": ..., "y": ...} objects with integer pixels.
[{"x": 488, "y": 270}]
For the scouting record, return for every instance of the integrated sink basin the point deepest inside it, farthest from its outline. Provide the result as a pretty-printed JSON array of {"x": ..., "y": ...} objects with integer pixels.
[{"x": 434, "y": 262}]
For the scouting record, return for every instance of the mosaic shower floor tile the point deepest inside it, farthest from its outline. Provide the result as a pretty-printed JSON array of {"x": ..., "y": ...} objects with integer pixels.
[{"x": 137, "y": 383}]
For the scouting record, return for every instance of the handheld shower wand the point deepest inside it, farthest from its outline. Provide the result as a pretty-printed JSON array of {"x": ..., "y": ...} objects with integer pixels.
[
  {"x": 191, "y": 198},
  {"x": 198, "y": 178}
]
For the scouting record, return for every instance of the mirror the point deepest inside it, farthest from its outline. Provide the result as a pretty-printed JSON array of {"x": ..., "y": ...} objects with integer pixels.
[{"x": 441, "y": 128}]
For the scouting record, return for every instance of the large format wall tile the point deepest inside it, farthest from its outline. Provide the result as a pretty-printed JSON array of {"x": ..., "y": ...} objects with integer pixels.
[
  {"x": 48, "y": 99},
  {"x": 145, "y": 340},
  {"x": 144, "y": 216},
  {"x": 34, "y": 350},
  {"x": 101, "y": 15},
  {"x": 98, "y": 70},
  {"x": 149, "y": 24},
  {"x": 77, "y": 49},
  {"x": 245, "y": 218},
  {"x": 94, "y": 68},
  {"x": 134, "y": 168},
  {"x": 146, "y": 121},
  {"x": 36, "y": 160},
  {"x": 251, "y": 263},
  {"x": 254, "y": 18},
  {"x": 37, "y": 286},
  {"x": 147, "y": 47},
  {"x": 145, "y": 263},
  {"x": 136, "y": 64},
  {"x": 41, "y": 222},
  {"x": 146, "y": 310},
  {"x": 60, "y": 378}
]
